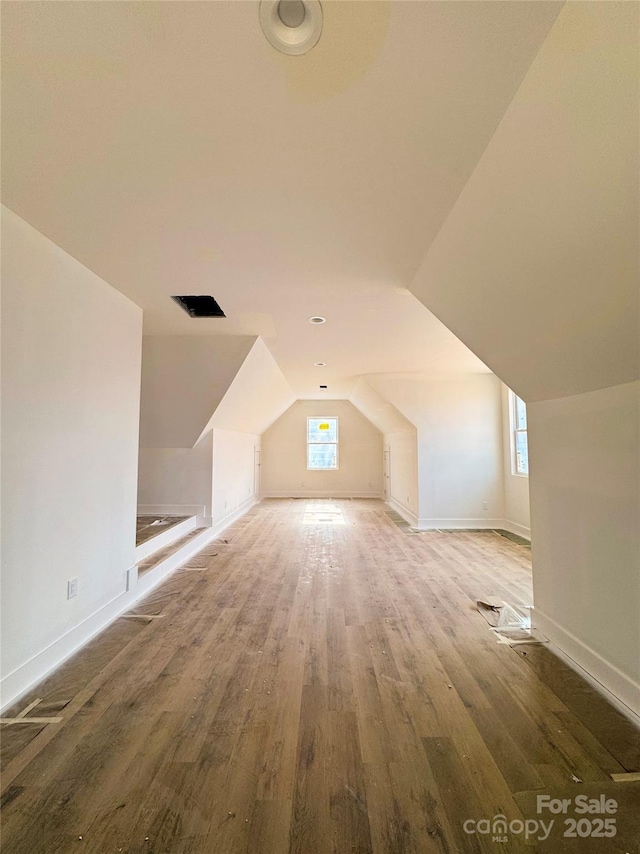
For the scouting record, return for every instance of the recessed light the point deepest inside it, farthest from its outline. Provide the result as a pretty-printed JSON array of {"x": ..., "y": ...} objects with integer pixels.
[
  {"x": 317, "y": 319},
  {"x": 319, "y": 364},
  {"x": 291, "y": 26}
]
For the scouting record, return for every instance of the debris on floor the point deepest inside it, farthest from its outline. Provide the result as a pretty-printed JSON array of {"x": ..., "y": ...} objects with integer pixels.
[{"x": 511, "y": 624}]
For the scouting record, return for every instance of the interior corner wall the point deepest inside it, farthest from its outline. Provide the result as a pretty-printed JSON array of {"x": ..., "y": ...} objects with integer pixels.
[
  {"x": 177, "y": 481},
  {"x": 459, "y": 425},
  {"x": 517, "y": 516},
  {"x": 235, "y": 481},
  {"x": 402, "y": 470},
  {"x": 71, "y": 356},
  {"x": 584, "y": 455},
  {"x": 284, "y": 454},
  {"x": 460, "y": 454}
]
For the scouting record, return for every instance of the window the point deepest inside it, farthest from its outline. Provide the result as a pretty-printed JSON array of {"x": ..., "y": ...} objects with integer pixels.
[
  {"x": 322, "y": 443},
  {"x": 519, "y": 429}
]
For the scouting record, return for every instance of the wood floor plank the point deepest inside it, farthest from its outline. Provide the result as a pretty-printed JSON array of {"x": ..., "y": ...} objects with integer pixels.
[{"x": 318, "y": 689}]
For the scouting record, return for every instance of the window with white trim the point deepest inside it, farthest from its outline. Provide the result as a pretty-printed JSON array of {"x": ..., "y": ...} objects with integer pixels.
[
  {"x": 322, "y": 444},
  {"x": 519, "y": 433}
]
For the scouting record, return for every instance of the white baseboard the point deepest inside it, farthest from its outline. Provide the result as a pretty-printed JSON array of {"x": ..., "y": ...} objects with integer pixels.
[
  {"x": 406, "y": 514},
  {"x": 454, "y": 524},
  {"x": 315, "y": 493},
  {"x": 24, "y": 678},
  {"x": 515, "y": 528},
  {"x": 27, "y": 676},
  {"x": 618, "y": 688},
  {"x": 171, "y": 510},
  {"x": 220, "y": 524}
]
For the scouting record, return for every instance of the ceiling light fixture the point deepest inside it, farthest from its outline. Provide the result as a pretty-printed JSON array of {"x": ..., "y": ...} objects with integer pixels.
[
  {"x": 317, "y": 319},
  {"x": 291, "y": 26},
  {"x": 319, "y": 364}
]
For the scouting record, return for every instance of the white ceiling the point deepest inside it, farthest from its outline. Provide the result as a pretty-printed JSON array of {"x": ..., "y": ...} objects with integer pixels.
[
  {"x": 538, "y": 265},
  {"x": 169, "y": 148}
]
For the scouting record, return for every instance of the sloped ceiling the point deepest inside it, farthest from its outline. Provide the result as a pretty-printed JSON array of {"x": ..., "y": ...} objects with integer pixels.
[
  {"x": 377, "y": 408},
  {"x": 257, "y": 397},
  {"x": 536, "y": 268},
  {"x": 184, "y": 378},
  {"x": 171, "y": 149}
]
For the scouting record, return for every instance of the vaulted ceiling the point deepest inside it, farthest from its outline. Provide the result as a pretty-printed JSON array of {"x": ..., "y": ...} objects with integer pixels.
[{"x": 171, "y": 149}]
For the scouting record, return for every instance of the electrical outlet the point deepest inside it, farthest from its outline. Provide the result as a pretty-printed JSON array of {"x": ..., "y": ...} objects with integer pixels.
[
  {"x": 485, "y": 506},
  {"x": 72, "y": 588}
]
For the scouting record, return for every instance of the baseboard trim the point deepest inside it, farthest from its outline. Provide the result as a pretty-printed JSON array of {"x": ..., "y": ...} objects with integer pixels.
[
  {"x": 459, "y": 524},
  {"x": 406, "y": 514},
  {"x": 24, "y": 678},
  {"x": 219, "y": 525},
  {"x": 515, "y": 528},
  {"x": 28, "y": 675},
  {"x": 171, "y": 510},
  {"x": 318, "y": 494},
  {"x": 618, "y": 688}
]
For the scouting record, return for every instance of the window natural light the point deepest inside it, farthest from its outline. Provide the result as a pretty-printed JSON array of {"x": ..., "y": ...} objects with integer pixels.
[
  {"x": 323, "y": 514},
  {"x": 520, "y": 439},
  {"x": 322, "y": 443}
]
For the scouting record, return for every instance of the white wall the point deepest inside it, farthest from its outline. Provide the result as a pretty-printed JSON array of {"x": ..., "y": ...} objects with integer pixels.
[
  {"x": 284, "y": 454},
  {"x": 177, "y": 480},
  {"x": 184, "y": 379},
  {"x": 459, "y": 424},
  {"x": 180, "y": 480},
  {"x": 549, "y": 215},
  {"x": 585, "y": 513},
  {"x": 516, "y": 486},
  {"x": 257, "y": 396},
  {"x": 403, "y": 472},
  {"x": 71, "y": 350},
  {"x": 233, "y": 472}
]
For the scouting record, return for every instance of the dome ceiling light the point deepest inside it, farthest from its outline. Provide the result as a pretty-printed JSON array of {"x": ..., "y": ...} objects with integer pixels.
[
  {"x": 317, "y": 319},
  {"x": 291, "y": 26}
]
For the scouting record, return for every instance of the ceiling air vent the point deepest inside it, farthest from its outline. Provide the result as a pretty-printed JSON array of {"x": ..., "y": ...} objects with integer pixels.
[{"x": 200, "y": 306}]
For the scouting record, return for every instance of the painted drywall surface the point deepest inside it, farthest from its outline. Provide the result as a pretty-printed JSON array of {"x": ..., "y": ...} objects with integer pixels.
[
  {"x": 378, "y": 410},
  {"x": 177, "y": 476},
  {"x": 184, "y": 378},
  {"x": 71, "y": 350},
  {"x": 585, "y": 510},
  {"x": 516, "y": 486},
  {"x": 258, "y": 395},
  {"x": 234, "y": 460},
  {"x": 549, "y": 214},
  {"x": 459, "y": 424},
  {"x": 402, "y": 448},
  {"x": 284, "y": 453}
]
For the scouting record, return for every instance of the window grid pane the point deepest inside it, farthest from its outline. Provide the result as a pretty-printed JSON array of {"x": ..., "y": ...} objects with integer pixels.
[
  {"x": 522, "y": 452},
  {"x": 521, "y": 414},
  {"x": 322, "y": 456},
  {"x": 322, "y": 430}
]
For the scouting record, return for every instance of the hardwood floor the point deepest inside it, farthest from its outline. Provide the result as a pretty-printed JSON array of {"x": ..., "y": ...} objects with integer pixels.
[{"x": 316, "y": 687}]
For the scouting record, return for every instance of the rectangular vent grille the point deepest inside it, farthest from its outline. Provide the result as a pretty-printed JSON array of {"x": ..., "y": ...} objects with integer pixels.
[{"x": 200, "y": 306}]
